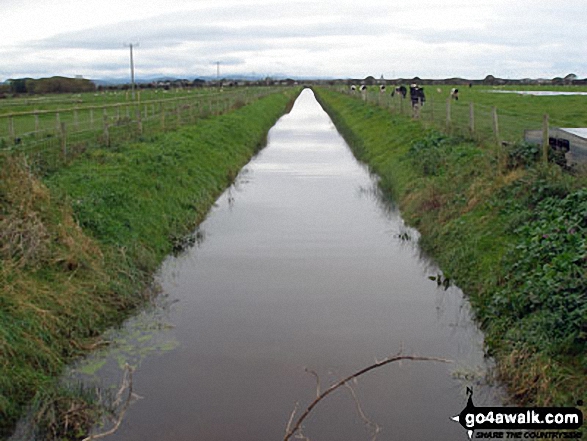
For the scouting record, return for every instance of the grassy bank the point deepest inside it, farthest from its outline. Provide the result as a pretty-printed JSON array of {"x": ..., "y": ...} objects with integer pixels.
[
  {"x": 514, "y": 241},
  {"x": 77, "y": 250}
]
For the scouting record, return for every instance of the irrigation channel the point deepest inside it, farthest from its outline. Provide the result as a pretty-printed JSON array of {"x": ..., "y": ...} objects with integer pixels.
[{"x": 301, "y": 264}]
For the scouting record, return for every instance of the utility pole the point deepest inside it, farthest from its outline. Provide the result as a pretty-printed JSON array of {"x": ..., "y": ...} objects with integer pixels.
[
  {"x": 132, "y": 69},
  {"x": 218, "y": 71}
]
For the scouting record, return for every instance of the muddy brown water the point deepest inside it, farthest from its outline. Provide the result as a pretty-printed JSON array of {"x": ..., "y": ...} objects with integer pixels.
[{"x": 301, "y": 264}]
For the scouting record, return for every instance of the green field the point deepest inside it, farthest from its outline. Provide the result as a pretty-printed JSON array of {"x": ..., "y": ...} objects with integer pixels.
[
  {"x": 515, "y": 113},
  {"x": 52, "y": 130},
  {"x": 63, "y": 101}
]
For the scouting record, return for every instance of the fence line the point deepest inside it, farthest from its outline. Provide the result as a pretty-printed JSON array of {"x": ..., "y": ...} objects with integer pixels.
[
  {"x": 52, "y": 137},
  {"x": 487, "y": 125}
]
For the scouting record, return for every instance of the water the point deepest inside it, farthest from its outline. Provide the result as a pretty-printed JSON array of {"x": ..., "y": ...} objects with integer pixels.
[
  {"x": 299, "y": 265},
  {"x": 539, "y": 92}
]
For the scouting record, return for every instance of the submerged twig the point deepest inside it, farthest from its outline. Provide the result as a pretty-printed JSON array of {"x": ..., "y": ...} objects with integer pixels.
[
  {"x": 366, "y": 420},
  {"x": 311, "y": 372},
  {"x": 332, "y": 388},
  {"x": 126, "y": 385}
]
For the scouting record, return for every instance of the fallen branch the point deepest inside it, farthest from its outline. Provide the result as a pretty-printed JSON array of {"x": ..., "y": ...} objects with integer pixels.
[
  {"x": 126, "y": 385},
  {"x": 289, "y": 433}
]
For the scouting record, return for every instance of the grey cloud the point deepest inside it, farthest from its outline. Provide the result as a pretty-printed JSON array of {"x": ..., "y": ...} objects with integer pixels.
[{"x": 173, "y": 30}]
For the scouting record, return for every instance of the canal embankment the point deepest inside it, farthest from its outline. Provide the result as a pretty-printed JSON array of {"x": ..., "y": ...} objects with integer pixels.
[
  {"x": 514, "y": 240},
  {"x": 79, "y": 248},
  {"x": 300, "y": 266}
]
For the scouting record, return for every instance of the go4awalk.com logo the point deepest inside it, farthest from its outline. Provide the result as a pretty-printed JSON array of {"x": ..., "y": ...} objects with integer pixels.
[{"x": 520, "y": 423}]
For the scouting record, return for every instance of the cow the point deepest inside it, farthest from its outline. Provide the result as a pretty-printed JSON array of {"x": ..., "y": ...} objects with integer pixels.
[
  {"x": 454, "y": 94},
  {"x": 400, "y": 90},
  {"x": 417, "y": 95}
]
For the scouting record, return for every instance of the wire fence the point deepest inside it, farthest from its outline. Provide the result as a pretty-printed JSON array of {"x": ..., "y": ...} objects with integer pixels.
[
  {"x": 492, "y": 128},
  {"x": 485, "y": 124},
  {"x": 51, "y": 138}
]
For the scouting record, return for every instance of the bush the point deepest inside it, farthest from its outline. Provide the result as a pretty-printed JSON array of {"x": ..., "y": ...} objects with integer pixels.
[
  {"x": 546, "y": 287},
  {"x": 429, "y": 155},
  {"x": 522, "y": 154}
]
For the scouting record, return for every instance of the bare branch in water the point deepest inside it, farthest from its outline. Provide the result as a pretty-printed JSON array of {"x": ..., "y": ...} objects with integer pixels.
[
  {"x": 317, "y": 380},
  {"x": 289, "y": 433},
  {"x": 125, "y": 385},
  {"x": 374, "y": 426}
]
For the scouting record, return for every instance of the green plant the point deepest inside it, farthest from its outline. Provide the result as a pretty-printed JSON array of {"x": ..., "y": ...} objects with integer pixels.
[
  {"x": 522, "y": 154},
  {"x": 545, "y": 295}
]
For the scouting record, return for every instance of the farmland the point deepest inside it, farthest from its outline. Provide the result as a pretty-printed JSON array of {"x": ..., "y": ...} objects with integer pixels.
[
  {"x": 480, "y": 108},
  {"x": 75, "y": 247},
  {"x": 53, "y": 129}
]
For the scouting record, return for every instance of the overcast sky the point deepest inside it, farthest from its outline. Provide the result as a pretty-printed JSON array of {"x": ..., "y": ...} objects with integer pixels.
[{"x": 333, "y": 38}]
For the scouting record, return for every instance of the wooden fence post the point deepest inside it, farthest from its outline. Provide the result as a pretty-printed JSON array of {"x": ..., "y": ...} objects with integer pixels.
[
  {"x": 57, "y": 122},
  {"x": 472, "y": 119},
  {"x": 416, "y": 110},
  {"x": 63, "y": 138},
  {"x": 139, "y": 121},
  {"x": 545, "y": 139},
  {"x": 497, "y": 139},
  {"x": 91, "y": 119},
  {"x": 448, "y": 116},
  {"x": 75, "y": 120},
  {"x": 106, "y": 130},
  {"x": 11, "y": 132},
  {"x": 37, "y": 124},
  {"x": 495, "y": 126},
  {"x": 162, "y": 111}
]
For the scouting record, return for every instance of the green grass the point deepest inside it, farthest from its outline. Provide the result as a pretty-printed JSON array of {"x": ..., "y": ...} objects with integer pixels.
[
  {"x": 514, "y": 241},
  {"x": 515, "y": 113},
  {"x": 77, "y": 249},
  {"x": 25, "y": 103}
]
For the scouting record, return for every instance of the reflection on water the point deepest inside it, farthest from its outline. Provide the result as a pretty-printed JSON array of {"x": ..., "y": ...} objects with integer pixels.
[
  {"x": 304, "y": 265},
  {"x": 538, "y": 92}
]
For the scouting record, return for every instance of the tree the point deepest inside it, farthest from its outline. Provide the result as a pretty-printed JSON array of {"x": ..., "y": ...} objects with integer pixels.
[
  {"x": 489, "y": 79},
  {"x": 570, "y": 78},
  {"x": 18, "y": 85}
]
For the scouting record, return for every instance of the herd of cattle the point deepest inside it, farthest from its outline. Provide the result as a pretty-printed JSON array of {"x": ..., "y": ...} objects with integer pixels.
[{"x": 417, "y": 96}]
